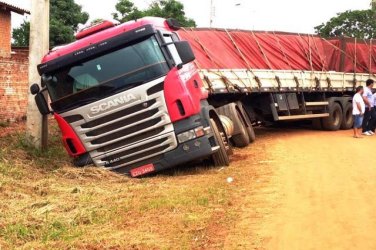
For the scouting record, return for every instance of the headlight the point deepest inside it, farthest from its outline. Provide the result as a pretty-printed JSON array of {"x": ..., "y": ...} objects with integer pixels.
[
  {"x": 186, "y": 136},
  {"x": 191, "y": 134}
]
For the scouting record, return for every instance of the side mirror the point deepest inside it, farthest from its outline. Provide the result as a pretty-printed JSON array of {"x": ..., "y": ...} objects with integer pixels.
[
  {"x": 42, "y": 104},
  {"x": 185, "y": 52},
  {"x": 34, "y": 89}
]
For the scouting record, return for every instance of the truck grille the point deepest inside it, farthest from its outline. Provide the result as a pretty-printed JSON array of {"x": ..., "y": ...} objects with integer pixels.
[
  {"x": 132, "y": 155},
  {"x": 129, "y": 130},
  {"x": 129, "y": 134}
]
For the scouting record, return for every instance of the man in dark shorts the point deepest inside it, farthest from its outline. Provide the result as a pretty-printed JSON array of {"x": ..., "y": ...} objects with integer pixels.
[{"x": 368, "y": 119}]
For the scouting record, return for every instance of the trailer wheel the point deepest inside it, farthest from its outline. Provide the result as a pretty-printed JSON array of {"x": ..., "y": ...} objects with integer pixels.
[
  {"x": 242, "y": 139},
  {"x": 249, "y": 127},
  {"x": 317, "y": 124},
  {"x": 220, "y": 158},
  {"x": 348, "y": 119},
  {"x": 251, "y": 133},
  {"x": 334, "y": 121}
]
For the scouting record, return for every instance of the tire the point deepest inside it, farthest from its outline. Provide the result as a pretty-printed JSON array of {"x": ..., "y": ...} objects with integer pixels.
[
  {"x": 334, "y": 121},
  {"x": 251, "y": 133},
  {"x": 241, "y": 140},
  {"x": 347, "y": 119},
  {"x": 220, "y": 158},
  {"x": 317, "y": 124},
  {"x": 249, "y": 127}
]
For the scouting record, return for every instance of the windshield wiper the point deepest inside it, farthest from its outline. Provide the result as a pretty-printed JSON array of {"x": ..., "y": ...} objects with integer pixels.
[
  {"x": 100, "y": 92},
  {"x": 82, "y": 102},
  {"x": 127, "y": 86}
]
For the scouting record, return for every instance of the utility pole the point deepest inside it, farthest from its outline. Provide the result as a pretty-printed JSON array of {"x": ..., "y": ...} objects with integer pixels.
[
  {"x": 212, "y": 13},
  {"x": 36, "y": 125}
]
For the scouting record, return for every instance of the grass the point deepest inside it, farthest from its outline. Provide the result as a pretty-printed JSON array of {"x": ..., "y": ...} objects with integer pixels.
[
  {"x": 48, "y": 204},
  {"x": 4, "y": 124}
]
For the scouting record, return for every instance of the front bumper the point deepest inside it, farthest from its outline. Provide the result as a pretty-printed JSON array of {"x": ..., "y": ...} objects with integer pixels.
[{"x": 196, "y": 149}]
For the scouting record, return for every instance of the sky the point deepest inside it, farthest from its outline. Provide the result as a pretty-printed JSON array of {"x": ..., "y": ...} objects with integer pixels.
[{"x": 273, "y": 15}]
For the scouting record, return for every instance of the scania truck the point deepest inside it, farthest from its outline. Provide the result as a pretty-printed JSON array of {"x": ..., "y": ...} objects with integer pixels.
[{"x": 132, "y": 97}]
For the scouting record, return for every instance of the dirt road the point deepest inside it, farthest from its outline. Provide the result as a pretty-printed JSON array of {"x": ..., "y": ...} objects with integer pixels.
[
  {"x": 316, "y": 191},
  {"x": 292, "y": 189}
]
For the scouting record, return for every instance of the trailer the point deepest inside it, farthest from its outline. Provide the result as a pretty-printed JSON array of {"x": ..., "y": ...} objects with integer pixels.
[
  {"x": 147, "y": 95},
  {"x": 281, "y": 76}
]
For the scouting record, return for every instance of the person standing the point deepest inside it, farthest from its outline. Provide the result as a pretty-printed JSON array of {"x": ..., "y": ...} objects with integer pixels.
[
  {"x": 368, "y": 119},
  {"x": 373, "y": 114},
  {"x": 358, "y": 111}
]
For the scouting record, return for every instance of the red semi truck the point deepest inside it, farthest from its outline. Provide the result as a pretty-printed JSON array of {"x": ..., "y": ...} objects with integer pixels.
[{"x": 132, "y": 97}]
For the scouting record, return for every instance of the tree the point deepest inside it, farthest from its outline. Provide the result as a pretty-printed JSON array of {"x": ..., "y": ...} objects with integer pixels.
[
  {"x": 21, "y": 35},
  {"x": 358, "y": 24},
  {"x": 96, "y": 21},
  {"x": 127, "y": 11},
  {"x": 65, "y": 15}
]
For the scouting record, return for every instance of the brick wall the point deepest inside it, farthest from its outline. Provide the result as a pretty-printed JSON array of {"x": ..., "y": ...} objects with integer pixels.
[
  {"x": 5, "y": 33},
  {"x": 14, "y": 85}
]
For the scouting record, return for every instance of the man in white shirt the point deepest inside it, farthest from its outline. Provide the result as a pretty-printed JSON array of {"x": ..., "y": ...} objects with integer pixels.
[
  {"x": 358, "y": 111},
  {"x": 368, "y": 119},
  {"x": 374, "y": 113}
]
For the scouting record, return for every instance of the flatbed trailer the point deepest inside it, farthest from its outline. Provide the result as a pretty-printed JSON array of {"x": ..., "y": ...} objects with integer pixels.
[
  {"x": 293, "y": 95},
  {"x": 281, "y": 76}
]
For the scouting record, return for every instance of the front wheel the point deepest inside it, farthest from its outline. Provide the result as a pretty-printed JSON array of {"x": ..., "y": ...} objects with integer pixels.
[{"x": 220, "y": 158}]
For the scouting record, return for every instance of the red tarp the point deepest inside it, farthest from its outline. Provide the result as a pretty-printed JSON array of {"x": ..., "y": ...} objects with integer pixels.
[{"x": 234, "y": 49}]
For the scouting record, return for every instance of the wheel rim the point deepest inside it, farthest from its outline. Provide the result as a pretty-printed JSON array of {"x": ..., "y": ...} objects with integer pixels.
[
  {"x": 349, "y": 116},
  {"x": 336, "y": 117}
]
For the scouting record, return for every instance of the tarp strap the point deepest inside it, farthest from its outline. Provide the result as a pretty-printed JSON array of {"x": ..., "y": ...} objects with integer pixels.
[
  {"x": 309, "y": 59},
  {"x": 210, "y": 58},
  {"x": 266, "y": 60},
  {"x": 281, "y": 48},
  {"x": 249, "y": 89},
  {"x": 344, "y": 53},
  {"x": 355, "y": 56},
  {"x": 282, "y": 51},
  {"x": 307, "y": 53},
  {"x": 323, "y": 60},
  {"x": 239, "y": 51},
  {"x": 249, "y": 68},
  {"x": 207, "y": 80},
  {"x": 371, "y": 57},
  {"x": 262, "y": 51},
  {"x": 195, "y": 61}
]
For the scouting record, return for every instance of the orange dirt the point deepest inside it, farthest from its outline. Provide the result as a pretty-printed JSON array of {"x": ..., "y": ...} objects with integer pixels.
[
  {"x": 291, "y": 189},
  {"x": 315, "y": 191}
]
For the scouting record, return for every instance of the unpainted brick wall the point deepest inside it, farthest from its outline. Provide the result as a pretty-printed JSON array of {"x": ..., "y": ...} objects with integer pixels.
[
  {"x": 14, "y": 85},
  {"x": 5, "y": 33}
]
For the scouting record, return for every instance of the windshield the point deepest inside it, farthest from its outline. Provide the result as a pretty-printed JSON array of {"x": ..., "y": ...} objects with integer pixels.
[{"x": 107, "y": 74}]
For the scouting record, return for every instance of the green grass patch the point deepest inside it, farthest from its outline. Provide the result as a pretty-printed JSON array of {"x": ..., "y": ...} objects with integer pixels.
[{"x": 4, "y": 124}]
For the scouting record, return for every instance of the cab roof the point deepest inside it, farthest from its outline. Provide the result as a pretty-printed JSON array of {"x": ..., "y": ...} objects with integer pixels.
[{"x": 156, "y": 22}]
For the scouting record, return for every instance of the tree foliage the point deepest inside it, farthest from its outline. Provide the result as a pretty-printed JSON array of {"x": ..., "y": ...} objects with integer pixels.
[
  {"x": 126, "y": 11},
  {"x": 358, "y": 24},
  {"x": 21, "y": 35},
  {"x": 65, "y": 17}
]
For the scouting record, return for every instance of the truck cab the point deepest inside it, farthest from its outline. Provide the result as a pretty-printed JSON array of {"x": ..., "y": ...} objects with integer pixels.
[{"x": 129, "y": 98}]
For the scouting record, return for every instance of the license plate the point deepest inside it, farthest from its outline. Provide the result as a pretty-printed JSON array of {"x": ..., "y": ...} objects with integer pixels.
[{"x": 142, "y": 170}]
